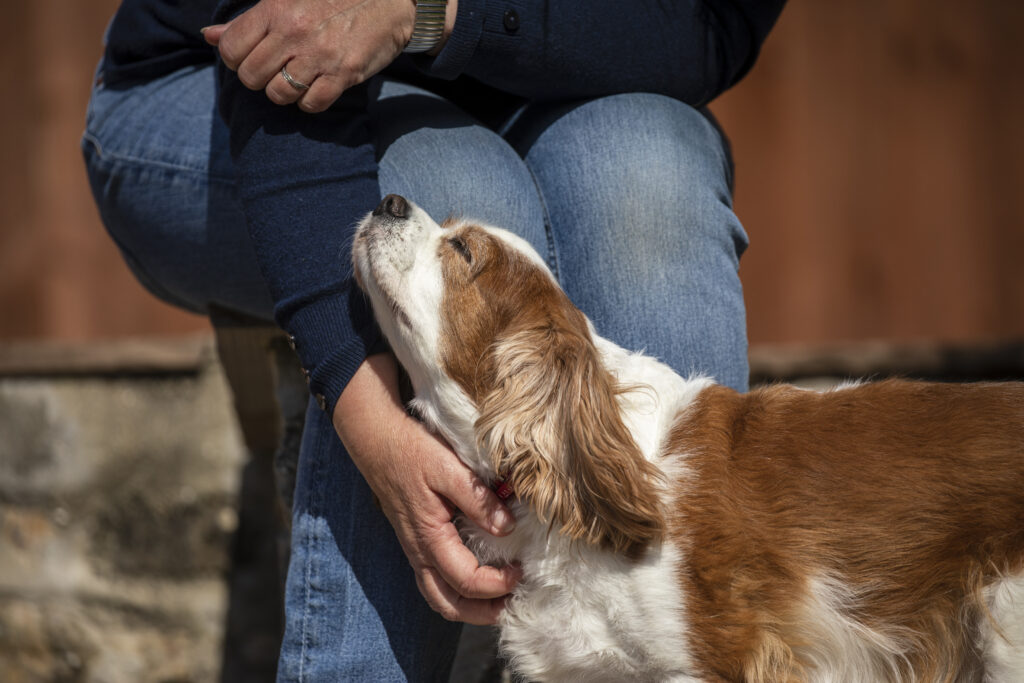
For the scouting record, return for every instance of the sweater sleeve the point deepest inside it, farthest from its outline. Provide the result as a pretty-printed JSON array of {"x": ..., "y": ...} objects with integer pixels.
[
  {"x": 304, "y": 181},
  {"x": 692, "y": 50}
]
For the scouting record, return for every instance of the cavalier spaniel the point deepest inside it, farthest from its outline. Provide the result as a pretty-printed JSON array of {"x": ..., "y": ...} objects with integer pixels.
[{"x": 671, "y": 529}]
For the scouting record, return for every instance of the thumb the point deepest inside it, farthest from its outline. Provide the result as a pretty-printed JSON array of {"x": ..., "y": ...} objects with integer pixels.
[
  {"x": 481, "y": 505},
  {"x": 213, "y": 33}
]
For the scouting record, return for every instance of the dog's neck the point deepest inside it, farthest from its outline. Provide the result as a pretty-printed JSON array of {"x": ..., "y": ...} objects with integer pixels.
[
  {"x": 656, "y": 396},
  {"x": 448, "y": 412}
]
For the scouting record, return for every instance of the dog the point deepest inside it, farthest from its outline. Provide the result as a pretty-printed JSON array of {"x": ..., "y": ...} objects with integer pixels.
[{"x": 671, "y": 529}]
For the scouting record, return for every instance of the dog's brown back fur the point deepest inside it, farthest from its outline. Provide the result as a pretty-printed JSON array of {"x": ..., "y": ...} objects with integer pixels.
[{"x": 910, "y": 494}]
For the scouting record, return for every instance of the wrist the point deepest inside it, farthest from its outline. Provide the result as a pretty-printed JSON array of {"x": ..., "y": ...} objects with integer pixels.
[
  {"x": 449, "y": 25},
  {"x": 370, "y": 398}
]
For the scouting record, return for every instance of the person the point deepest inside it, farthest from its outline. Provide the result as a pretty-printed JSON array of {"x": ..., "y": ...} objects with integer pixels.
[{"x": 232, "y": 146}]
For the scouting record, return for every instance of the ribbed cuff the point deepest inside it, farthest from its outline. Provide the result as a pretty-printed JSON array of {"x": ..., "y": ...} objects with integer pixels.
[
  {"x": 332, "y": 336},
  {"x": 461, "y": 44}
]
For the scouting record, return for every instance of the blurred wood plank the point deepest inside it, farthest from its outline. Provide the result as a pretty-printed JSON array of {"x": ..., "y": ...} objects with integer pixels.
[
  {"x": 125, "y": 356},
  {"x": 872, "y": 360},
  {"x": 880, "y": 159},
  {"x": 60, "y": 274}
]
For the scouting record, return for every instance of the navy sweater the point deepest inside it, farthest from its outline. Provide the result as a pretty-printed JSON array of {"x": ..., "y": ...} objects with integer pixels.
[{"x": 305, "y": 180}]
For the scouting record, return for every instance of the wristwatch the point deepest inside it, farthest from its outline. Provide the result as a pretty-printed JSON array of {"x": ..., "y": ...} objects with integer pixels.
[{"x": 429, "y": 26}]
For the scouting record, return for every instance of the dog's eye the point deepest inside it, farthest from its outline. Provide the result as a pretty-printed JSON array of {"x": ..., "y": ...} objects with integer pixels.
[{"x": 460, "y": 246}]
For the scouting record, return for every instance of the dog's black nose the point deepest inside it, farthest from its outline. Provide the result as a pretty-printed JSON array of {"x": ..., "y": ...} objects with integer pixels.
[{"x": 392, "y": 205}]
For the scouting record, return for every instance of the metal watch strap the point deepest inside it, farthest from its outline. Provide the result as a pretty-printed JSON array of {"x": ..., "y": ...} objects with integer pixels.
[{"x": 429, "y": 26}]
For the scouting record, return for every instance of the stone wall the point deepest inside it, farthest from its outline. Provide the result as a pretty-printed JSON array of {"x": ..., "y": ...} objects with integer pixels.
[
  {"x": 118, "y": 505},
  {"x": 139, "y": 535}
]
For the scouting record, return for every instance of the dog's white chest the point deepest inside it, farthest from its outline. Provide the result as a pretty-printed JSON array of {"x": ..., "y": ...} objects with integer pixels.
[{"x": 587, "y": 615}]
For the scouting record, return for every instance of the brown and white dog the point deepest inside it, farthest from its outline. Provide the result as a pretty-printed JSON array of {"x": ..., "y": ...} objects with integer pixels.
[{"x": 670, "y": 529}]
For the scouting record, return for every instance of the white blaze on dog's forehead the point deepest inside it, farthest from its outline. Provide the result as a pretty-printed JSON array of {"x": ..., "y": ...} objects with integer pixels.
[
  {"x": 424, "y": 290},
  {"x": 421, "y": 290}
]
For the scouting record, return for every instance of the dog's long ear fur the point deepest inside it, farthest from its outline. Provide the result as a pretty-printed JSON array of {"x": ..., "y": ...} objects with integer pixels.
[{"x": 551, "y": 425}]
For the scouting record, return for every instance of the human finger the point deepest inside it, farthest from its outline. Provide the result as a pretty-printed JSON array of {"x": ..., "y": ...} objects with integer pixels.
[
  {"x": 323, "y": 92},
  {"x": 241, "y": 35},
  {"x": 444, "y": 600},
  {"x": 263, "y": 63},
  {"x": 461, "y": 570},
  {"x": 288, "y": 84},
  {"x": 212, "y": 34},
  {"x": 476, "y": 500}
]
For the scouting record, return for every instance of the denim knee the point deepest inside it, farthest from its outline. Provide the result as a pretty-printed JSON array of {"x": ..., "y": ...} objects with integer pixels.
[
  {"x": 636, "y": 188},
  {"x": 159, "y": 168},
  {"x": 450, "y": 164},
  {"x": 649, "y": 165}
]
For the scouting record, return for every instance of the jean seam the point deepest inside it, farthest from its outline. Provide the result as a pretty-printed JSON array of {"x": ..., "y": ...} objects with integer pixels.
[
  {"x": 112, "y": 158},
  {"x": 311, "y": 555},
  {"x": 549, "y": 232},
  {"x": 305, "y": 607},
  {"x": 88, "y": 137}
]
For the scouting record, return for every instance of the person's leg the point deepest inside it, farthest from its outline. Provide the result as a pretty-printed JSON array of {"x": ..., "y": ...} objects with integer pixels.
[
  {"x": 158, "y": 163},
  {"x": 159, "y": 166},
  {"x": 637, "y": 194},
  {"x": 353, "y": 611}
]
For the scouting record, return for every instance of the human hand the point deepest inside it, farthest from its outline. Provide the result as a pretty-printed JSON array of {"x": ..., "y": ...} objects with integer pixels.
[
  {"x": 329, "y": 45},
  {"x": 419, "y": 482}
]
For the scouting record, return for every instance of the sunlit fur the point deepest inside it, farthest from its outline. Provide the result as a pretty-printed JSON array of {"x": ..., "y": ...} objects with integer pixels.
[
  {"x": 552, "y": 407},
  {"x": 673, "y": 530}
]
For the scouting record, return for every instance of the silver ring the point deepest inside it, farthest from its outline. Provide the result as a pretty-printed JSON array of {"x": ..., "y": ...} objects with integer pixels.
[{"x": 298, "y": 85}]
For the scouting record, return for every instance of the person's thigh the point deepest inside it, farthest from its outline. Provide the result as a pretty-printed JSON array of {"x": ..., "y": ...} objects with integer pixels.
[
  {"x": 160, "y": 169},
  {"x": 637, "y": 194},
  {"x": 158, "y": 160},
  {"x": 435, "y": 154},
  {"x": 158, "y": 163}
]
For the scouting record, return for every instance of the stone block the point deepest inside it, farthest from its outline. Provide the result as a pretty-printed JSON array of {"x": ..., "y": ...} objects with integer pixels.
[{"x": 118, "y": 505}]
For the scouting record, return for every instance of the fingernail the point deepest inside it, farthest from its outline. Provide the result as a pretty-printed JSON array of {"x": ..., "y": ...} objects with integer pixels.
[
  {"x": 503, "y": 521},
  {"x": 204, "y": 29}
]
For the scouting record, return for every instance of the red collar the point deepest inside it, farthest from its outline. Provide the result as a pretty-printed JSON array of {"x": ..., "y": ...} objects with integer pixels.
[{"x": 502, "y": 488}]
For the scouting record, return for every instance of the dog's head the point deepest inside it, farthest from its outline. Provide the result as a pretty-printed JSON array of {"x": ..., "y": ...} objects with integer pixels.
[{"x": 505, "y": 367}]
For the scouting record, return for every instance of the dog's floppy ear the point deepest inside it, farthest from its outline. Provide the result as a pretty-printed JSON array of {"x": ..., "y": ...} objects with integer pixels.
[{"x": 551, "y": 425}]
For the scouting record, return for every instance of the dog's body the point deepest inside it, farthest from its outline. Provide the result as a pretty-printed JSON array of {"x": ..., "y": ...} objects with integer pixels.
[{"x": 670, "y": 529}]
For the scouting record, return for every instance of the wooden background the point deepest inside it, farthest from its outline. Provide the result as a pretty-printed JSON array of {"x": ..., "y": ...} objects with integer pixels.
[
  {"x": 880, "y": 155},
  {"x": 880, "y": 159}
]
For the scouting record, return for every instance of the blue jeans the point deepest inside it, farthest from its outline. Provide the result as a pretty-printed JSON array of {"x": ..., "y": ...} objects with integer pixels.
[{"x": 628, "y": 197}]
